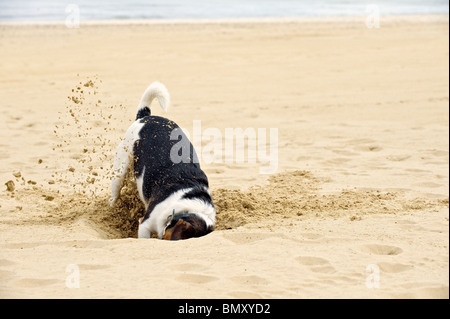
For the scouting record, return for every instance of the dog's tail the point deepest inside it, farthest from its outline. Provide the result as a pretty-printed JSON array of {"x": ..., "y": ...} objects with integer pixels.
[{"x": 155, "y": 90}]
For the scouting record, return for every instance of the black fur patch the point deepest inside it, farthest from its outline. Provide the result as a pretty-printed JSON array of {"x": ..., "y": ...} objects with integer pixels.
[
  {"x": 198, "y": 193},
  {"x": 143, "y": 112}
]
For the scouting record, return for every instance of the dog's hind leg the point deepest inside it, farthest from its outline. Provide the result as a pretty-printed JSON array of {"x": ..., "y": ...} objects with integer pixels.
[
  {"x": 120, "y": 169},
  {"x": 123, "y": 159}
]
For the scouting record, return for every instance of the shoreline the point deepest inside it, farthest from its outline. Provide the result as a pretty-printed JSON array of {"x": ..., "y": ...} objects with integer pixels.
[{"x": 425, "y": 18}]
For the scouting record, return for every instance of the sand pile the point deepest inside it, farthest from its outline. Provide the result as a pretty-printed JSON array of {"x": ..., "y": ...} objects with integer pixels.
[
  {"x": 288, "y": 197},
  {"x": 296, "y": 195}
]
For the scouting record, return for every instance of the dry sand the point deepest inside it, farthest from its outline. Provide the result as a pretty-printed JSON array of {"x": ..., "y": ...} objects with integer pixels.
[{"x": 358, "y": 207}]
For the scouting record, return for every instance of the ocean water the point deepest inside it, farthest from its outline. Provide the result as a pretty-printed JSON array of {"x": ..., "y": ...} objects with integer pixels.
[{"x": 58, "y": 10}]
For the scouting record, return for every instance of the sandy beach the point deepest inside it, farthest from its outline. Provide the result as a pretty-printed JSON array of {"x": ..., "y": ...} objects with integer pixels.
[{"x": 356, "y": 207}]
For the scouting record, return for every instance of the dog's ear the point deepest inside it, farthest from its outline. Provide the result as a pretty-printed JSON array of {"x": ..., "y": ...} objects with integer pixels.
[{"x": 181, "y": 230}]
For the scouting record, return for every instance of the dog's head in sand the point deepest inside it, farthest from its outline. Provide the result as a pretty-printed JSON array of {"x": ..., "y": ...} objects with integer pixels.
[
  {"x": 176, "y": 194},
  {"x": 186, "y": 226}
]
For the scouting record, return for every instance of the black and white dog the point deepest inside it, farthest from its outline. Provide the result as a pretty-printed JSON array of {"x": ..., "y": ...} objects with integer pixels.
[{"x": 176, "y": 196}]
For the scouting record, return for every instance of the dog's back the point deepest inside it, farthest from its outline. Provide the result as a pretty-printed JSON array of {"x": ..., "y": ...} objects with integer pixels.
[{"x": 154, "y": 161}]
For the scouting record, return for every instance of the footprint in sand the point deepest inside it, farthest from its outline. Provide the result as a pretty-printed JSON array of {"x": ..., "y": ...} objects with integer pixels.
[
  {"x": 364, "y": 145},
  {"x": 35, "y": 282},
  {"x": 428, "y": 185},
  {"x": 6, "y": 275},
  {"x": 377, "y": 249},
  {"x": 6, "y": 263},
  {"x": 336, "y": 161},
  {"x": 439, "y": 153},
  {"x": 4, "y": 155},
  {"x": 398, "y": 158},
  {"x": 424, "y": 293},
  {"x": 312, "y": 236},
  {"x": 250, "y": 280},
  {"x": 316, "y": 264},
  {"x": 311, "y": 261},
  {"x": 393, "y": 267},
  {"x": 195, "y": 278},
  {"x": 93, "y": 266},
  {"x": 409, "y": 225},
  {"x": 188, "y": 267},
  {"x": 344, "y": 152},
  {"x": 245, "y": 238},
  {"x": 244, "y": 295}
]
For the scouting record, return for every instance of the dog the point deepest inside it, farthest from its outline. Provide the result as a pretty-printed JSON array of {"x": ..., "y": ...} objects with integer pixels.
[{"x": 178, "y": 202}]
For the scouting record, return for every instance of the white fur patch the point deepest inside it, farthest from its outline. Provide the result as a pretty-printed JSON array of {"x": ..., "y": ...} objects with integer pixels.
[
  {"x": 122, "y": 159},
  {"x": 156, "y": 90},
  {"x": 140, "y": 188},
  {"x": 159, "y": 216}
]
